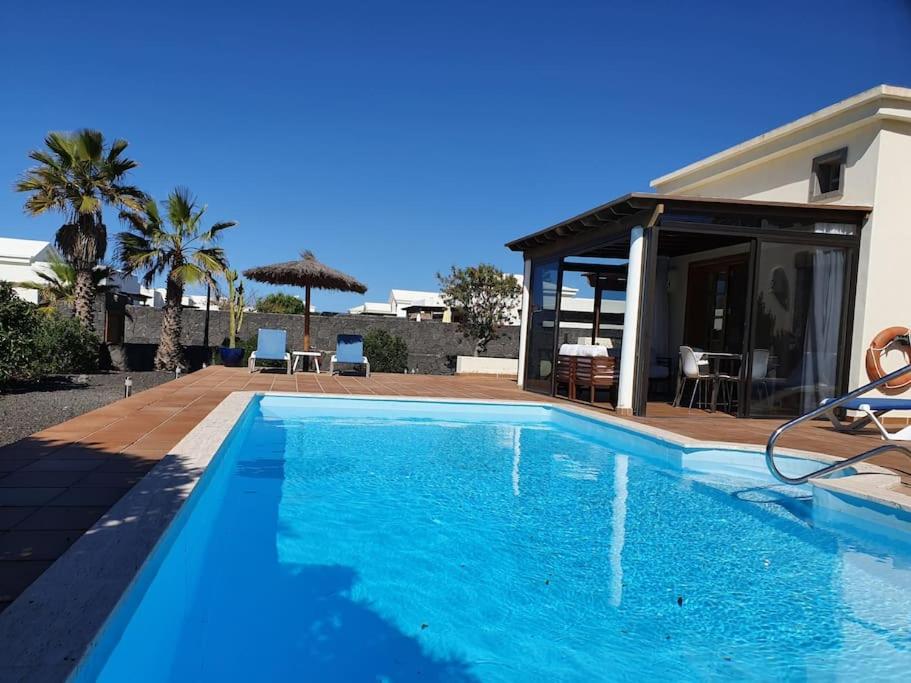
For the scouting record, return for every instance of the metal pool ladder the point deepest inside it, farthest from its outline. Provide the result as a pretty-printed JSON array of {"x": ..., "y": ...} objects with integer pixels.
[{"x": 821, "y": 410}]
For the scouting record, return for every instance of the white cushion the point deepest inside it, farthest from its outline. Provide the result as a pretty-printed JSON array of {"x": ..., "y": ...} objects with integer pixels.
[{"x": 586, "y": 350}]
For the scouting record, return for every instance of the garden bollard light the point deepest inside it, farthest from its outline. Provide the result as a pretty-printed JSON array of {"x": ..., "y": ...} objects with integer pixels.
[{"x": 128, "y": 387}]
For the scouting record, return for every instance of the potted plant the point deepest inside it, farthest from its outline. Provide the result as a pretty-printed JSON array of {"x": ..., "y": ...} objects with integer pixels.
[{"x": 232, "y": 356}]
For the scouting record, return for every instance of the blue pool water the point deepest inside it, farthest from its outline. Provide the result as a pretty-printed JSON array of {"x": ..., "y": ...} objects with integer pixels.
[{"x": 348, "y": 540}]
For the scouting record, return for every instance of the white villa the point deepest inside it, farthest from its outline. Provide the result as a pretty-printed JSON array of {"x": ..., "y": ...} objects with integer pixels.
[
  {"x": 785, "y": 254},
  {"x": 22, "y": 260}
]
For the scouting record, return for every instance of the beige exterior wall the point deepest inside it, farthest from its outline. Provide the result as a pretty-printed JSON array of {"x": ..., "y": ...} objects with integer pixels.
[
  {"x": 885, "y": 270},
  {"x": 777, "y": 167},
  {"x": 786, "y": 178}
]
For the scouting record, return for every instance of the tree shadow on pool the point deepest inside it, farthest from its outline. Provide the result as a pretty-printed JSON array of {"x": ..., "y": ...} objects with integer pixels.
[
  {"x": 258, "y": 616},
  {"x": 332, "y": 637},
  {"x": 275, "y": 621}
]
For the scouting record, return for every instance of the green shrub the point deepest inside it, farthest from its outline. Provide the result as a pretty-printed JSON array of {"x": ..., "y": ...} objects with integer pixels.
[
  {"x": 19, "y": 322},
  {"x": 280, "y": 303},
  {"x": 34, "y": 345},
  {"x": 65, "y": 346},
  {"x": 386, "y": 352}
]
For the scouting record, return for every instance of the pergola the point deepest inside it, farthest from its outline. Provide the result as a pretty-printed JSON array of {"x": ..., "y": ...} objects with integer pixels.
[{"x": 623, "y": 242}]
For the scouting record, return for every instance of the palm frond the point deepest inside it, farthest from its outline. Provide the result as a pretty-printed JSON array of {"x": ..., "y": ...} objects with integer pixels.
[
  {"x": 188, "y": 274},
  {"x": 89, "y": 204},
  {"x": 212, "y": 234},
  {"x": 212, "y": 259},
  {"x": 45, "y": 159},
  {"x": 61, "y": 145},
  {"x": 117, "y": 148},
  {"x": 89, "y": 145},
  {"x": 135, "y": 252},
  {"x": 180, "y": 204}
]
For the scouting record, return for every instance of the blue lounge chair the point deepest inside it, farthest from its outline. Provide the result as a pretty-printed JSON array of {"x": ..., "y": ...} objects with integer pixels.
[
  {"x": 270, "y": 345},
  {"x": 349, "y": 349},
  {"x": 873, "y": 408}
]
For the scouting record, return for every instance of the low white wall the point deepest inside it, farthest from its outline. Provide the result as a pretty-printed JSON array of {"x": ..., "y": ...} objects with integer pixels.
[{"x": 470, "y": 365}]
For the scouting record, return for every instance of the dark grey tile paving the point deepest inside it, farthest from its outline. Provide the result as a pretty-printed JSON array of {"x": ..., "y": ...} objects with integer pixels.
[
  {"x": 10, "y": 497},
  {"x": 42, "y": 478},
  {"x": 10, "y": 517},
  {"x": 68, "y": 465},
  {"x": 55, "y": 518},
  {"x": 36, "y": 545},
  {"x": 89, "y": 497}
]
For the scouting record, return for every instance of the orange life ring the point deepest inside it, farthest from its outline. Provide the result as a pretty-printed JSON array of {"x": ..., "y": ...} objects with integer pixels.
[{"x": 875, "y": 353}]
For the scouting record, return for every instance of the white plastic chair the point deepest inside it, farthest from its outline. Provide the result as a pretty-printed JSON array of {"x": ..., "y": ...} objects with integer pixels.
[
  {"x": 692, "y": 367},
  {"x": 759, "y": 370}
]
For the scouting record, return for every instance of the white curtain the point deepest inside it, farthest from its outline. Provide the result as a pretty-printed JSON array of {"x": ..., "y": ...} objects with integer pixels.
[{"x": 820, "y": 357}]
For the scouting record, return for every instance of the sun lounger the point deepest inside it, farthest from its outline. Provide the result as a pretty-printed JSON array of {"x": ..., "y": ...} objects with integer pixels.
[
  {"x": 873, "y": 408},
  {"x": 349, "y": 349},
  {"x": 271, "y": 345}
]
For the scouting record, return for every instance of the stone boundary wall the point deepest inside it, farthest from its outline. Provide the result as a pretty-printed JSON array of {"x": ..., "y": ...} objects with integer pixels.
[{"x": 432, "y": 346}]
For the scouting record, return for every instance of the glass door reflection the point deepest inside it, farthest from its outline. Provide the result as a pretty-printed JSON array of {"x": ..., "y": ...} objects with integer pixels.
[
  {"x": 797, "y": 335},
  {"x": 543, "y": 302}
]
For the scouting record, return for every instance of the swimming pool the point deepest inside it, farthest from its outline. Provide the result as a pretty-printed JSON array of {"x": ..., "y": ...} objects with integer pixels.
[{"x": 355, "y": 540}]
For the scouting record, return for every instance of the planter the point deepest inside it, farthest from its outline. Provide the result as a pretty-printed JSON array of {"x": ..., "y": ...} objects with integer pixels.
[{"x": 232, "y": 358}]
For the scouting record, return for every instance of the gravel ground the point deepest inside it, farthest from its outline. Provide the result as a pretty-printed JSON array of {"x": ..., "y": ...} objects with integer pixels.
[{"x": 26, "y": 410}]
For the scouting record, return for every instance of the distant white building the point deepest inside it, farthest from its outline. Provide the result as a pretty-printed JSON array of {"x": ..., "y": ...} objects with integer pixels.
[
  {"x": 424, "y": 305},
  {"x": 22, "y": 260},
  {"x": 154, "y": 297},
  {"x": 408, "y": 303}
]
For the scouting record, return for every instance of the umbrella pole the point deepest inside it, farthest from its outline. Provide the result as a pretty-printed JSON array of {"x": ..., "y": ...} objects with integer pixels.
[{"x": 307, "y": 320}]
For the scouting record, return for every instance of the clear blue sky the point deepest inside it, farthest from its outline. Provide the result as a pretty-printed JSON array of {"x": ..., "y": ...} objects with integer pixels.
[{"x": 396, "y": 139}]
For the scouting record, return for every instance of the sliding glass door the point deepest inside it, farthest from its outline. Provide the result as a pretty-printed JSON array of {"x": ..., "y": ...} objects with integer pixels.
[
  {"x": 543, "y": 302},
  {"x": 798, "y": 327}
]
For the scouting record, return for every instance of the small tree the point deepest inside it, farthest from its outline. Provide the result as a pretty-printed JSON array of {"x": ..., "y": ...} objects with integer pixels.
[
  {"x": 482, "y": 298},
  {"x": 281, "y": 303},
  {"x": 387, "y": 352}
]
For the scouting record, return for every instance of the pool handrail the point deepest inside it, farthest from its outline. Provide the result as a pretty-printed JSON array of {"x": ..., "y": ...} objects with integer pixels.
[{"x": 820, "y": 411}]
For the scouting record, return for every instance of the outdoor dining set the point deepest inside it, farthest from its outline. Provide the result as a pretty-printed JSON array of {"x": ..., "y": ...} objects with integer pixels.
[{"x": 705, "y": 379}]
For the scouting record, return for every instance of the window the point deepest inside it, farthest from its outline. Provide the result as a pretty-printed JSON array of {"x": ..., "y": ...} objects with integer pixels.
[{"x": 828, "y": 178}]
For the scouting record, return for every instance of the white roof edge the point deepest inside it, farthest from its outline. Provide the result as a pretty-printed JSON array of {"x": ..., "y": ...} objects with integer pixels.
[
  {"x": 17, "y": 247},
  {"x": 858, "y": 100}
]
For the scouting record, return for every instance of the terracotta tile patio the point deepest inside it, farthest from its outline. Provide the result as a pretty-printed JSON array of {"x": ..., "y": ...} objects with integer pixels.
[{"x": 57, "y": 483}]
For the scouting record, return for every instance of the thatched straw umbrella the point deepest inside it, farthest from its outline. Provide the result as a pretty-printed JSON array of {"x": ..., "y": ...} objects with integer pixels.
[{"x": 309, "y": 273}]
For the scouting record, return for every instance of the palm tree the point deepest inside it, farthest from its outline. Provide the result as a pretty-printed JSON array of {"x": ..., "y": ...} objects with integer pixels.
[
  {"x": 186, "y": 253},
  {"x": 76, "y": 176},
  {"x": 59, "y": 284}
]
